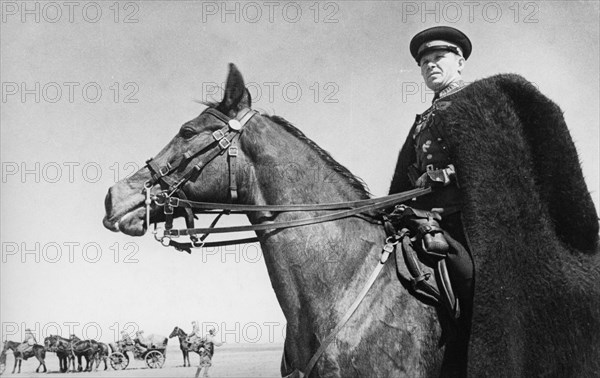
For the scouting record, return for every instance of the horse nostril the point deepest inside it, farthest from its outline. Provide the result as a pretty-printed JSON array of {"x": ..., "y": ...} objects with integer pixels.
[{"x": 108, "y": 200}]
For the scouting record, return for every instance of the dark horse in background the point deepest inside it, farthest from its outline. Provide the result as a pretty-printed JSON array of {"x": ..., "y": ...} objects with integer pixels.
[
  {"x": 102, "y": 355},
  {"x": 68, "y": 349},
  {"x": 63, "y": 351},
  {"x": 37, "y": 351},
  {"x": 183, "y": 344},
  {"x": 92, "y": 351},
  {"x": 530, "y": 218}
]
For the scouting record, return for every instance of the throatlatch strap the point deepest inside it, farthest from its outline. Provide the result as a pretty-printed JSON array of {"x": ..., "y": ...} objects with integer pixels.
[{"x": 233, "y": 153}]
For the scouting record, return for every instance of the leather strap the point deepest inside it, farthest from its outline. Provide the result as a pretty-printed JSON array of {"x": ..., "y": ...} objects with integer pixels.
[
  {"x": 297, "y": 207},
  {"x": 233, "y": 153},
  {"x": 383, "y": 202},
  {"x": 387, "y": 250}
]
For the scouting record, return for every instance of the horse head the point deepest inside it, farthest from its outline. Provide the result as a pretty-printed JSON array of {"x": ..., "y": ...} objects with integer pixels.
[
  {"x": 195, "y": 158},
  {"x": 177, "y": 332},
  {"x": 51, "y": 343}
]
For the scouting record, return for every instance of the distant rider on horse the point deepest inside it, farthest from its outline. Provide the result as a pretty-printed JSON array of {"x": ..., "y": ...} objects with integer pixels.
[
  {"x": 195, "y": 337},
  {"x": 28, "y": 342}
]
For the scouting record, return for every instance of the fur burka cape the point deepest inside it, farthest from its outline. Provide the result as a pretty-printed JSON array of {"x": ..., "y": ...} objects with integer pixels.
[{"x": 533, "y": 230}]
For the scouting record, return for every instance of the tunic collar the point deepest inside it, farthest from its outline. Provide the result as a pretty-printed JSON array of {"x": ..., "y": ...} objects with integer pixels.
[{"x": 453, "y": 87}]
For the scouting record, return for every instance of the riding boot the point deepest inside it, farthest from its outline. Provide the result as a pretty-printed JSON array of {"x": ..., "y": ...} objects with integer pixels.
[{"x": 460, "y": 268}]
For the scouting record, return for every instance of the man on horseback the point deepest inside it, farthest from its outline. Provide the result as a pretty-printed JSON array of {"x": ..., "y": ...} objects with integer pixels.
[
  {"x": 195, "y": 337},
  {"x": 425, "y": 161},
  {"x": 28, "y": 343}
]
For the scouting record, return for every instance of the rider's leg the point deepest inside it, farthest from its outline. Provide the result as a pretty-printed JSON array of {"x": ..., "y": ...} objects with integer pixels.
[
  {"x": 460, "y": 265},
  {"x": 460, "y": 268}
]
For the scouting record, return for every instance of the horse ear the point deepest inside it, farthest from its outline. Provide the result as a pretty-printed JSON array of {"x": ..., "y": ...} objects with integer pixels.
[{"x": 236, "y": 96}]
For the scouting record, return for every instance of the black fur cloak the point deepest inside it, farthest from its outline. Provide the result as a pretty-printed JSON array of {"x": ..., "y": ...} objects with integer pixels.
[{"x": 533, "y": 230}]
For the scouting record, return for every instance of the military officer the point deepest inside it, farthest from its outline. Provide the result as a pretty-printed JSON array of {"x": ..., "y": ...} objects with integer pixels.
[{"x": 425, "y": 161}]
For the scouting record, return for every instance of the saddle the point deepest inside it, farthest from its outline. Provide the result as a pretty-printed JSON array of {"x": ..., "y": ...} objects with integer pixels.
[{"x": 425, "y": 249}]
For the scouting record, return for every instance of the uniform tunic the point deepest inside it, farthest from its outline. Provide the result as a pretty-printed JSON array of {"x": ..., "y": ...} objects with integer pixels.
[{"x": 431, "y": 151}]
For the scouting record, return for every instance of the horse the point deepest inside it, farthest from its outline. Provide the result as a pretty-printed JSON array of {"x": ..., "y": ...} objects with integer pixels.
[
  {"x": 2, "y": 361},
  {"x": 68, "y": 349},
  {"x": 183, "y": 344},
  {"x": 63, "y": 352},
  {"x": 88, "y": 349},
  {"x": 540, "y": 321},
  {"x": 37, "y": 351},
  {"x": 102, "y": 355}
]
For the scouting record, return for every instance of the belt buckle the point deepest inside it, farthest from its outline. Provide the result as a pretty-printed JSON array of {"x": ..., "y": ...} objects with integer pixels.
[
  {"x": 224, "y": 143},
  {"x": 218, "y": 134},
  {"x": 429, "y": 167}
]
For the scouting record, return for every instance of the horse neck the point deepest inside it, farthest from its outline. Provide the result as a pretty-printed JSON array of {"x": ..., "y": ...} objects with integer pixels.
[
  {"x": 8, "y": 345},
  {"x": 182, "y": 335},
  {"x": 12, "y": 345},
  {"x": 286, "y": 167},
  {"x": 313, "y": 268}
]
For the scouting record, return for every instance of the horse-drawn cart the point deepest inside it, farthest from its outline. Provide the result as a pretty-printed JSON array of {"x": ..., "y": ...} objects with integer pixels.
[{"x": 154, "y": 354}]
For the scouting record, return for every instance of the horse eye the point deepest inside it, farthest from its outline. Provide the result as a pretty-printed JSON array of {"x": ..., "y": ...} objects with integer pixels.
[{"x": 187, "y": 133}]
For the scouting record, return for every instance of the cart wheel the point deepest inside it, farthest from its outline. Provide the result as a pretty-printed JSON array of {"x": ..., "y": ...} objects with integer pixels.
[
  {"x": 155, "y": 359},
  {"x": 118, "y": 361}
]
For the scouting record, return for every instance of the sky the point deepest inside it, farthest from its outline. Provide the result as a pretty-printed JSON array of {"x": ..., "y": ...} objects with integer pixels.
[{"x": 90, "y": 90}]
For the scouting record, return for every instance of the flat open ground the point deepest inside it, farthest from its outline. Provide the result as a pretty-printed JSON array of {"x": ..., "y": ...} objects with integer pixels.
[{"x": 230, "y": 360}]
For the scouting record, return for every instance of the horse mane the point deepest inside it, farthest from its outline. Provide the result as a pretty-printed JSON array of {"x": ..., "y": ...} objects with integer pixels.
[{"x": 355, "y": 182}]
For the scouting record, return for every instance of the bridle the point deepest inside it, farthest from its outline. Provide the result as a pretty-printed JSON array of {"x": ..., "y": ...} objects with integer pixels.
[{"x": 224, "y": 140}]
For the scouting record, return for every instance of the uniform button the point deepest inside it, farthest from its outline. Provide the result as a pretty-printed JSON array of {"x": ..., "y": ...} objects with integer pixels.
[
  {"x": 429, "y": 156},
  {"x": 439, "y": 139}
]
